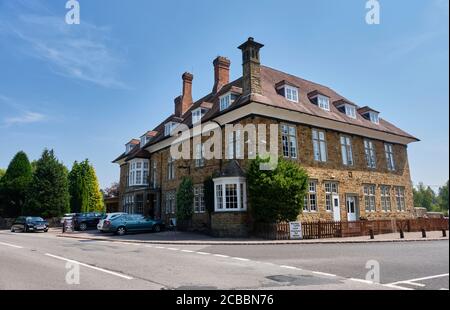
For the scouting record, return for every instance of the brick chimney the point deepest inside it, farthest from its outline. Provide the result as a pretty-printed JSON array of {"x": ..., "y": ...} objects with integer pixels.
[
  {"x": 184, "y": 102},
  {"x": 251, "y": 67},
  {"x": 221, "y": 73}
]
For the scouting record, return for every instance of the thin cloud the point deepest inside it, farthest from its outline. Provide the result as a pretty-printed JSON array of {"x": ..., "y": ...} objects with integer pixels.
[
  {"x": 26, "y": 118},
  {"x": 80, "y": 52}
]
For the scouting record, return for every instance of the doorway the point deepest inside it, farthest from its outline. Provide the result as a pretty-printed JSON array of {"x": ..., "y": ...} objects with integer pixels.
[{"x": 351, "y": 208}]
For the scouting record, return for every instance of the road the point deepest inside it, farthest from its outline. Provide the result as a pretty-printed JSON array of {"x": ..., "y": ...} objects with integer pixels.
[{"x": 44, "y": 261}]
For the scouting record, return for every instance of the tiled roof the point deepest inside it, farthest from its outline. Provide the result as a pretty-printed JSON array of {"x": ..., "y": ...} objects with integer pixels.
[{"x": 270, "y": 78}]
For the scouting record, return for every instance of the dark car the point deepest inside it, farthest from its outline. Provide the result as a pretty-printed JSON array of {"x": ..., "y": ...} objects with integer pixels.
[
  {"x": 29, "y": 224},
  {"x": 84, "y": 221},
  {"x": 126, "y": 223}
]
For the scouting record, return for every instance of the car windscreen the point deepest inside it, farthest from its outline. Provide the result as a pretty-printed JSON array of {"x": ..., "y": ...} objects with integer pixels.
[{"x": 35, "y": 219}]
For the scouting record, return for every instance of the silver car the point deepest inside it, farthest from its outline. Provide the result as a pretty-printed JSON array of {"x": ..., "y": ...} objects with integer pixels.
[{"x": 108, "y": 217}]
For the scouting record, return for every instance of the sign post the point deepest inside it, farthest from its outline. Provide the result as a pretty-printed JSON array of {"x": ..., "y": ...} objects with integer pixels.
[{"x": 295, "y": 229}]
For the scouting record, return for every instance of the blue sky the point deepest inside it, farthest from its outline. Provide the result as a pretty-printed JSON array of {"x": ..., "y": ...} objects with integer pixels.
[{"x": 86, "y": 89}]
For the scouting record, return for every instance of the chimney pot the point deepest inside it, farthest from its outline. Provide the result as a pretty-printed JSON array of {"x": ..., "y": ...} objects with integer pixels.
[
  {"x": 221, "y": 73},
  {"x": 184, "y": 102}
]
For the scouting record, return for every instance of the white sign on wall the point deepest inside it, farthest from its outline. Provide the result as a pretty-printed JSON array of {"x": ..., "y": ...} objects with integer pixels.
[{"x": 295, "y": 229}]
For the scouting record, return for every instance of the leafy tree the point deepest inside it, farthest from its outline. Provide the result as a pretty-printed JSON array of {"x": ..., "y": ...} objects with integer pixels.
[
  {"x": 2, "y": 173},
  {"x": 185, "y": 200},
  {"x": 14, "y": 185},
  {"x": 48, "y": 194},
  {"x": 424, "y": 197},
  {"x": 276, "y": 195},
  {"x": 85, "y": 194},
  {"x": 111, "y": 191},
  {"x": 95, "y": 195},
  {"x": 443, "y": 198}
]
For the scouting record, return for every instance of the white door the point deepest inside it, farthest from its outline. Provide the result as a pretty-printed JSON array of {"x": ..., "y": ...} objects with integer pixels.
[
  {"x": 336, "y": 208},
  {"x": 351, "y": 208}
]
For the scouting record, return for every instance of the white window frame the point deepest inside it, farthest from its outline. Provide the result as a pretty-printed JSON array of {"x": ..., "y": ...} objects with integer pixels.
[
  {"x": 225, "y": 101},
  {"x": 386, "y": 204},
  {"x": 170, "y": 168},
  {"x": 289, "y": 141},
  {"x": 331, "y": 188},
  {"x": 197, "y": 115},
  {"x": 400, "y": 198},
  {"x": 370, "y": 154},
  {"x": 374, "y": 118},
  {"x": 291, "y": 93},
  {"x": 154, "y": 174},
  {"x": 199, "y": 199},
  {"x": 323, "y": 102},
  {"x": 138, "y": 168},
  {"x": 170, "y": 202},
  {"x": 310, "y": 202},
  {"x": 319, "y": 145},
  {"x": 350, "y": 111},
  {"x": 220, "y": 187},
  {"x": 169, "y": 128},
  {"x": 369, "y": 198},
  {"x": 199, "y": 155},
  {"x": 390, "y": 161},
  {"x": 346, "y": 150}
]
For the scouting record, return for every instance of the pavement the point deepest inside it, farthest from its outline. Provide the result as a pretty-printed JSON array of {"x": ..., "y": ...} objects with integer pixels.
[
  {"x": 46, "y": 261},
  {"x": 189, "y": 238}
]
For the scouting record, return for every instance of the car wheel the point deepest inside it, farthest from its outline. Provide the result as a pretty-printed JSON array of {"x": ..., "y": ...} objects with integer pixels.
[
  {"x": 157, "y": 228},
  {"x": 83, "y": 226},
  {"x": 25, "y": 229},
  {"x": 45, "y": 230},
  {"x": 121, "y": 231},
  {"x": 13, "y": 230}
]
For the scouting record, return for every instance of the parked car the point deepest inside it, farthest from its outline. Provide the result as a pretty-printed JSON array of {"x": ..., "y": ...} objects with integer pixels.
[
  {"x": 126, "y": 223},
  {"x": 29, "y": 224},
  {"x": 108, "y": 217},
  {"x": 84, "y": 221}
]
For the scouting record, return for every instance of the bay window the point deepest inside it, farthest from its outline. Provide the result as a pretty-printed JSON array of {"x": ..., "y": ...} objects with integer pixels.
[
  {"x": 138, "y": 172},
  {"x": 230, "y": 194}
]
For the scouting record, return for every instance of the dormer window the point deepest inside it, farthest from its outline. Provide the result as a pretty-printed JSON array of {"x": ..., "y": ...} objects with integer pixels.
[
  {"x": 374, "y": 117},
  {"x": 348, "y": 109},
  {"x": 130, "y": 145},
  {"x": 370, "y": 114},
  {"x": 144, "y": 140},
  {"x": 227, "y": 100},
  {"x": 323, "y": 102},
  {"x": 291, "y": 93},
  {"x": 197, "y": 114},
  {"x": 169, "y": 128}
]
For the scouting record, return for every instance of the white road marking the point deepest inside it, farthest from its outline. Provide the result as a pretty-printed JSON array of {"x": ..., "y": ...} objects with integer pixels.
[
  {"x": 92, "y": 267},
  {"x": 203, "y": 253},
  {"x": 290, "y": 267},
  {"x": 421, "y": 279},
  {"x": 361, "y": 280},
  {"x": 11, "y": 245},
  {"x": 159, "y": 247},
  {"x": 398, "y": 287},
  {"x": 187, "y": 251},
  {"x": 444, "y": 289},
  {"x": 324, "y": 274},
  {"x": 241, "y": 259},
  {"x": 149, "y": 246},
  {"x": 414, "y": 284},
  {"x": 172, "y": 249},
  {"x": 220, "y": 255}
]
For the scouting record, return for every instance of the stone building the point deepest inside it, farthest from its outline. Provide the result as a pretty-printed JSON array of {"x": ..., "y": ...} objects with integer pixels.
[{"x": 357, "y": 162}]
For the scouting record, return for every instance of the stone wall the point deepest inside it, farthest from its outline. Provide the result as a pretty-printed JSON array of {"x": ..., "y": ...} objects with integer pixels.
[{"x": 230, "y": 224}]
